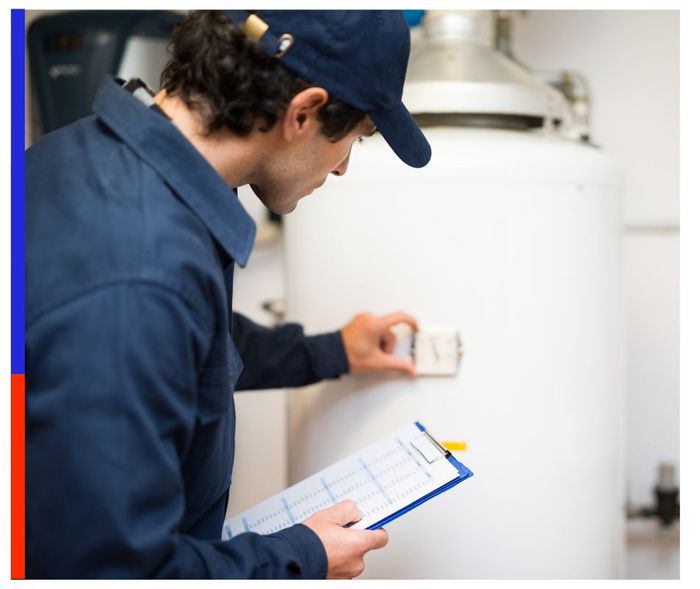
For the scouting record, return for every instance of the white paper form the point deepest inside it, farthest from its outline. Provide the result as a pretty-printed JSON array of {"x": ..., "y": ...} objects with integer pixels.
[{"x": 382, "y": 479}]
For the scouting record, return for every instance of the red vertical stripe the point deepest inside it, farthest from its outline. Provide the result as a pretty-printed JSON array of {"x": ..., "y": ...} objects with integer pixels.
[{"x": 18, "y": 481}]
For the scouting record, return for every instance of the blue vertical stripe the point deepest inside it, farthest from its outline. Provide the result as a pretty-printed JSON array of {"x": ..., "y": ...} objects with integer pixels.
[
  {"x": 17, "y": 173},
  {"x": 328, "y": 490},
  {"x": 292, "y": 519}
]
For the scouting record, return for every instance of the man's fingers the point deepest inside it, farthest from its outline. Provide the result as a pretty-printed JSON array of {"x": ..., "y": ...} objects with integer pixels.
[
  {"x": 346, "y": 512},
  {"x": 376, "y": 539},
  {"x": 392, "y": 319}
]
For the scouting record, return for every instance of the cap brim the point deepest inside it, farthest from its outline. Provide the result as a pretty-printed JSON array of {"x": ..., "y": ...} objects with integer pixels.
[{"x": 403, "y": 135}]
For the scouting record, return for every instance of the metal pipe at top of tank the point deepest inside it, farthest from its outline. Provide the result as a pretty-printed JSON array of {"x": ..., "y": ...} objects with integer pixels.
[
  {"x": 455, "y": 69},
  {"x": 467, "y": 26}
]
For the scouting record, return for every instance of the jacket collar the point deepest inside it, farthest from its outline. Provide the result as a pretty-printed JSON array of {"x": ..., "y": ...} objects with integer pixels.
[{"x": 160, "y": 144}]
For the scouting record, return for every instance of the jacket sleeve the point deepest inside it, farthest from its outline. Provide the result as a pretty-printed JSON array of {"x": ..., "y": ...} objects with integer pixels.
[
  {"x": 111, "y": 408},
  {"x": 284, "y": 357}
]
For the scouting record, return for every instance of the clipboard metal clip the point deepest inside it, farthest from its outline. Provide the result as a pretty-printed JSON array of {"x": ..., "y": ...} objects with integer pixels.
[{"x": 429, "y": 447}]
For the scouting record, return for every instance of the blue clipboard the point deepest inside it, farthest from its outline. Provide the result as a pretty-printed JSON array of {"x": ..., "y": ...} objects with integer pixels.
[{"x": 462, "y": 473}]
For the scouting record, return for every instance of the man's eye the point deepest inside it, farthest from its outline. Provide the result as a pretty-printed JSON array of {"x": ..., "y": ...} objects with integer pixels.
[{"x": 360, "y": 139}]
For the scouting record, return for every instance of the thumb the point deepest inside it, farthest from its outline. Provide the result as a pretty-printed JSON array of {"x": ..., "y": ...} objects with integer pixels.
[
  {"x": 346, "y": 512},
  {"x": 377, "y": 539},
  {"x": 391, "y": 362}
]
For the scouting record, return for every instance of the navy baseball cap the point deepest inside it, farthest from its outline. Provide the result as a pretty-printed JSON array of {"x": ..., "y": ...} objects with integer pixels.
[{"x": 359, "y": 56}]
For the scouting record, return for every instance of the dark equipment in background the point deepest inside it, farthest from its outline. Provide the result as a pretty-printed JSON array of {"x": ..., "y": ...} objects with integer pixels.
[
  {"x": 667, "y": 507},
  {"x": 70, "y": 53}
]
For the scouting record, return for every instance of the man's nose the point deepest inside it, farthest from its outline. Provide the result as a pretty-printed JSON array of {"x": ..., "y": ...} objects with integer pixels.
[{"x": 342, "y": 167}]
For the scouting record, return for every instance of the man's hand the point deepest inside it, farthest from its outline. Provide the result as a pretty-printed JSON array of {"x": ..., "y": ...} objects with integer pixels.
[
  {"x": 345, "y": 548},
  {"x": 369, "y": 343}
]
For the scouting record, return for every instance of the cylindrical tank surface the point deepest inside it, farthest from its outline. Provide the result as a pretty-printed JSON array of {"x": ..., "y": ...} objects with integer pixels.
[{"x": 512, "y": 238}]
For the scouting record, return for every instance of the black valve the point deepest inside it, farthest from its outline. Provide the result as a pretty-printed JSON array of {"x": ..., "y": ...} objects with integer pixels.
[{"x": 667, "y": 508}]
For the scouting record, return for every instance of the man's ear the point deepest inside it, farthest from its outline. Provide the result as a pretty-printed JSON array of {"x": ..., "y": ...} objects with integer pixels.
[{"x": 302, "y": 113}]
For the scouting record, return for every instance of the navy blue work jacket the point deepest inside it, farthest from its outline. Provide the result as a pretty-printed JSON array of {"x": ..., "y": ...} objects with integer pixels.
[{"x": 132, "y": 355}]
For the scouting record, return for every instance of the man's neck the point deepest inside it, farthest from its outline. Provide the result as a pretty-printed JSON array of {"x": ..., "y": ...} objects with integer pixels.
[{"x": 234, "y": 158}]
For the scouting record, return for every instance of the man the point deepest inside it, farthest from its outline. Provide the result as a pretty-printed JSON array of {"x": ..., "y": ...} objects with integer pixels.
[{"x": 132, "y": 348}]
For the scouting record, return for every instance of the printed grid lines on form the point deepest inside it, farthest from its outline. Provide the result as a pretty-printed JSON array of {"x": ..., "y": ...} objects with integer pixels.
[{"x": 377, "y": 482}]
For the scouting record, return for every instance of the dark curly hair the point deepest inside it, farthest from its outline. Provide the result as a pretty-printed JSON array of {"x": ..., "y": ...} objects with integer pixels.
[{"x": 233, "y": 84}]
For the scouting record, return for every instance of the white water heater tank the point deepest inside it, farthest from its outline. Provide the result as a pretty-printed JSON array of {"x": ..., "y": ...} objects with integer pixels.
[{"x": 512, "y": 238}]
